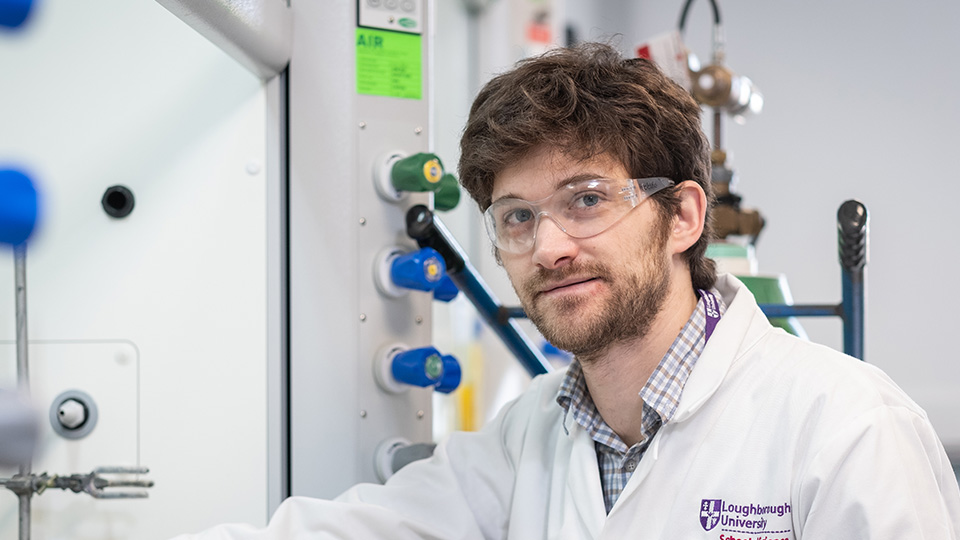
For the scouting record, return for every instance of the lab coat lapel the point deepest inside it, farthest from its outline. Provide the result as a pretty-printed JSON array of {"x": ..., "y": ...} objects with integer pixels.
[
  {"x": 583, "y": 502},
  {"x": 643, "y": 469},
  {"x": 724, "y": 346}
]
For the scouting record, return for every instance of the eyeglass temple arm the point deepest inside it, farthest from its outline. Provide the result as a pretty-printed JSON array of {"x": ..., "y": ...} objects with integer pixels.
[{"x": 427, "y": 229}]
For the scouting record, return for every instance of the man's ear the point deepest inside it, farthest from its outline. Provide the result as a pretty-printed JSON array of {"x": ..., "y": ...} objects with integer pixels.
[{"x": 689, "y": 221}]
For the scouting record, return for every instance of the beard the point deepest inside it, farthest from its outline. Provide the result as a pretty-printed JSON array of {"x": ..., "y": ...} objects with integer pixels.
[{"x": 587, "y": 325}]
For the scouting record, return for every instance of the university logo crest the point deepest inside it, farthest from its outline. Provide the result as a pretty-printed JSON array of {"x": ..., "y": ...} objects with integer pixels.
[{"x": 710, "y": 513}]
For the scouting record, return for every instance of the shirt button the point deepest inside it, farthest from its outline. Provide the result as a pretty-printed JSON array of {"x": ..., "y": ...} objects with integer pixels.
[{"x": 630, "y": 465}]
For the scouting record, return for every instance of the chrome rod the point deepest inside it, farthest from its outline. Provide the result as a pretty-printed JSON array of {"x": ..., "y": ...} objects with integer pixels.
[
  {"x": 20, "y": 268},
  {"x": 23, "y": 372}
]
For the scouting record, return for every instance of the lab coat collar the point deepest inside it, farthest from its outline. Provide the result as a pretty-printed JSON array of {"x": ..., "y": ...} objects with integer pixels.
[{"x": 741, "y": 326}]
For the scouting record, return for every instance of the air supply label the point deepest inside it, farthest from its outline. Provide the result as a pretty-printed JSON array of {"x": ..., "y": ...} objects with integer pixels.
[{"x": 389, "y": 64}]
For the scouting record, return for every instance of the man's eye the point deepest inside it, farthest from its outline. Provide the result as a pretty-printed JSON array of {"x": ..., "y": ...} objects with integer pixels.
[
  {"x": 587, "y": 200},
  {"x": 517, "y": 216}
]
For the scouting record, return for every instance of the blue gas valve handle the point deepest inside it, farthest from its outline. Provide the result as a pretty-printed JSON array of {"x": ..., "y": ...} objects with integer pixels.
[
  {"x": 451, "y": 375},
  {"x": 18, "y": 206},
  {"x": 422, "y": 270},
  {"x": 422, "y": 367},
  {"x": 446, "y": 291},
  {"x": 13, "y": 13}
]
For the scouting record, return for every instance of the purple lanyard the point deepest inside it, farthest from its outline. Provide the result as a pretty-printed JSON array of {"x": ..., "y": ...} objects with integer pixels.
[{"x": 712, "y": 309}]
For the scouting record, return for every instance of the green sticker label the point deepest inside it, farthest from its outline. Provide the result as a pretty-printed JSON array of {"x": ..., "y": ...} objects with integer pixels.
[{"x": 389, "y": 64}]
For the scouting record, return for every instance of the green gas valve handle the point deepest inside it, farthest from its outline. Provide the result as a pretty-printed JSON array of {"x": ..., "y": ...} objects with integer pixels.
[
  {"x": 419, "y": 172},
  {"x": 447, "y": 196}
]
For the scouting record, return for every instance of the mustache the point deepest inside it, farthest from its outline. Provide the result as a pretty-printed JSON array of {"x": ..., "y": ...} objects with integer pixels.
[{"x": 545, "y": 276}]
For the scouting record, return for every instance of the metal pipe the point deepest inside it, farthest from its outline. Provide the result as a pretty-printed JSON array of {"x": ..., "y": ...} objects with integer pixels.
[
  {"x": 24, "y": 518},
  {"x": 717, "y": 129},
  {"x": 23, "y": 372},
  {"x": 778, "y": 311},
  {"x": 853, "y": 327},
  {"x": 20, "y": 276},
  {"x": 469, "y": 281},
  {"x": 852, "y": 231}
]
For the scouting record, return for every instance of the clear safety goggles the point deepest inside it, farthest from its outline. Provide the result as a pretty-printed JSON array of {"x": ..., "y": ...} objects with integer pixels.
[{"x": 581, "y": 209}]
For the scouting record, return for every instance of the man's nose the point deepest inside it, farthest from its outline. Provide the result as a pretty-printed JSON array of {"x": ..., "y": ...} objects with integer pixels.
[{"x": 553, "y": 247}]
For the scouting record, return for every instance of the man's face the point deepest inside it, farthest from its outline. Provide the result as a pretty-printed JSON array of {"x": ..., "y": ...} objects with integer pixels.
[{"x": 586, "y": 294}]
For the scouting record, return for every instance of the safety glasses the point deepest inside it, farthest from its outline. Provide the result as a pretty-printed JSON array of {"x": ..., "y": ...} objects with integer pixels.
[{"x": 581, "y": 209}]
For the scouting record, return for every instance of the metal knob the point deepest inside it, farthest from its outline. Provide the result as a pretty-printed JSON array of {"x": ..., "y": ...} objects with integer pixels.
[
  {"x": 852, "y": 220},
  {"x": 72, "y": 414}
]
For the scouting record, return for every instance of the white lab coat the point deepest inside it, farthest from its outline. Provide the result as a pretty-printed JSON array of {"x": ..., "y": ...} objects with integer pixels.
[{"x": 774, "y": 438}]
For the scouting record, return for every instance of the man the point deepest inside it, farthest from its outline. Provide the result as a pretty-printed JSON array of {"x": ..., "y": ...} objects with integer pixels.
[{"x": 685, "y": 414}]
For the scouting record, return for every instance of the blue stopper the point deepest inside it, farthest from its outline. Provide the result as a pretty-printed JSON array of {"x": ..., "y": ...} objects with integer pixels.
[
  {"x": 451, "y": 375},
  {"x": 422, "y": 270},
  {"x": 422, "y": 367},
  {"x": 18, "y": 206},
  {"x": 13, "y": 13},
  {"x": 447, "y": 290}
]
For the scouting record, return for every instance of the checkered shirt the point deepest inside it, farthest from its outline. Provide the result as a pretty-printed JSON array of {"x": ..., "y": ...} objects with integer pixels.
[{"x": 660, "y": 394}]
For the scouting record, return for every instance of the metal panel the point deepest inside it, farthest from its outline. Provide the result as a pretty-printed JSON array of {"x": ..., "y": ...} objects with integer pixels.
[
  {"x": 278, "y": 342},
  {"x": 389, "y": 125},
  {"x": 323, "y": 239},
  {"x": 255, "y": 33},
  {"x": 337, "y": 226}
]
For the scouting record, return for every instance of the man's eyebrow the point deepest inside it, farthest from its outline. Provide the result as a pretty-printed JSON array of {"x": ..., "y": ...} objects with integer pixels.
[
  {"x": 560, "y": 183},
  {"x": 577, "y": 178}
]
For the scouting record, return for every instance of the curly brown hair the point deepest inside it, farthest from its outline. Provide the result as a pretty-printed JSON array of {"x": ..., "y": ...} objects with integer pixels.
[{"x": 584, "y": 101}]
